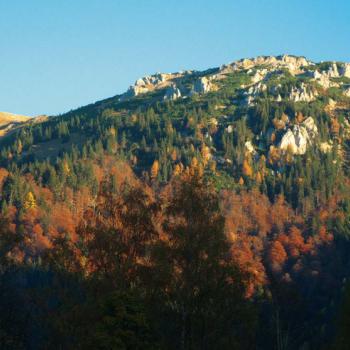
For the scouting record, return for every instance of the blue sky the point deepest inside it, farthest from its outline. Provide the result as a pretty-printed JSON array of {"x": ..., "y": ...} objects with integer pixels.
[{"x": 61, "y": 54}]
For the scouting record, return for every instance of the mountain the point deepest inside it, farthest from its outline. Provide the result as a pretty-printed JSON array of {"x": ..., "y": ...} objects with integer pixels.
[
  {"x": 199, "y": 209},
  {"x": 259, "y": 113}
]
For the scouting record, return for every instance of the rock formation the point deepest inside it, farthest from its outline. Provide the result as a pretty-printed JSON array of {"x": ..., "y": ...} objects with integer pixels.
[
  {"x": 345, "y": 70},
  {"x": 172, "y": 93},
  {"x": 202, "y": 85},
  {"x": 149, "y": 83},
  {"x": 259, "y": 75},
  {"x": 294, "y": 64},
  {"x": 297, "y": 139},
  {"x": 259, "y": 70},
  {"x": 253, "y": 91},
  {"x": 323, "y": 79},
  {"x": 250, "y": 148},
  {"x": 302, "y": 94}
]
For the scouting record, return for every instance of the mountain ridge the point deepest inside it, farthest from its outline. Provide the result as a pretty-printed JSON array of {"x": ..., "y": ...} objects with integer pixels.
[
  {"x": 295, "y": 65},
  {"x": 12, "y": 117}
]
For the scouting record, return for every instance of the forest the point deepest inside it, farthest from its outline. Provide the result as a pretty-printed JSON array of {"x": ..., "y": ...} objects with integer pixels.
[{"x": 147, "y": 223}]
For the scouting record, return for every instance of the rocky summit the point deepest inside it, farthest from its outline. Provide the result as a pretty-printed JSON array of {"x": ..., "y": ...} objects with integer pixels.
[
  {"x": 277, "y": 79},
  {"x": 259, "y": 70}
]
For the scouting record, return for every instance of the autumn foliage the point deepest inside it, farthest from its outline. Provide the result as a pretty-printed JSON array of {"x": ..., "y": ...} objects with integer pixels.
[{"x": 183, "y": 243}]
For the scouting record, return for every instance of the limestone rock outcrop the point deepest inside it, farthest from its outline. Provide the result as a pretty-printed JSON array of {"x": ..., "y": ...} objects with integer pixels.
[
  {"x": 250, "y": 148},
  {"x": 332, "y": 71},
  {"x": 149, "y": 83},
  {"x": 202, "y": 85},
  {"x": 259, "y": 70},
  {"x": 259, "y": 75},
  {"x": 323, "y": 79},
  {"x": 345, "y": 70},
  {"x": 297, "y": 139},
  {"x": 293, "y": 63},
  {"x": 302, "y": 94},
  {"x": 172, "y": 93},
  {"x": 326, "y": 147},
  {"x": 252, "y": 92},
  {"x": 154, "y": 80}
]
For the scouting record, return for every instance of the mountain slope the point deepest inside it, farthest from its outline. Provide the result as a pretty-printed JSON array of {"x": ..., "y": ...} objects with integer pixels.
[
  {"x": 8, "y": 121},
  {"x": 261, "y": 146},
  {"x": 253, "y": 121},
  {"x": 6, "y": 118}
]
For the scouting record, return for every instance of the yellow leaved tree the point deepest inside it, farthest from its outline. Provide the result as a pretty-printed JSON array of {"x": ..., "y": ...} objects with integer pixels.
[
  {"x": 154, "y": 169},
  {"x": 29, "y": 201}
]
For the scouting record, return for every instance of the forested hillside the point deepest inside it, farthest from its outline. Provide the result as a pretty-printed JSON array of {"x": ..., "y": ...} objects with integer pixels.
[{"x": 198, "y": 210}]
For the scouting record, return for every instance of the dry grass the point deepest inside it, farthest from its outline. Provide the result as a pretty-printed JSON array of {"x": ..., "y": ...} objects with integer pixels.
[{"x": 9, "y": 121}]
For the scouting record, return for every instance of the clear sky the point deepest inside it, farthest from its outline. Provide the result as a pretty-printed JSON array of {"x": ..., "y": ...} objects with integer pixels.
[{"x": 57, "y": 55}]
